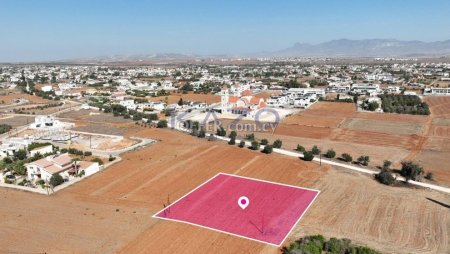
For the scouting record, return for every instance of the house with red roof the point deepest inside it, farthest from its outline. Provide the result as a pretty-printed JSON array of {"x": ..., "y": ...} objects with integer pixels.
[{"x": 59, "y": 164}]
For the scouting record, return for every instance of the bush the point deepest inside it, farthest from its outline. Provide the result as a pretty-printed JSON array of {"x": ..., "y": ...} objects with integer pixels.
[
  {"x": 315, "y": 150},
  {"x": 317, "y": 244},
  {"x": 202, "y": 133},
  {"x": 241, "y": 144},
  {"x": 232, "y": 141},
  {"x": 87, "y": 153},
  {"x": 264, "y": 142},
  {"x": 308, "y": 156},
  {"x": 161, "y": 124},
  {"x": 277, "y": 143},
  {"x": 98, "y": 160},
  {"x": 330, "y": 154},
  {"x": 300, "y": 148},
  {"x": 267, "y": 149},
  {"x": 346, "y": 157},
  {"x": 429, "y": 176},
  {"x": 385, "y": 177},
  {"x": 233, "y": 134},
  {"x": 221, "y": 132},
  {"x": 64, "y": 150},
  {"x": 255, "y": 145},
  {"x": 7, "y": 160},
  {"x": 111, "y": 158},
  {"x": 56, "y": 180},
  {"x": 250, "y": 137},
  {"x": 20, "y": 154},
  {"x": 35, "y": 145},
  {"x": 411, "y": 171},
  {"x": 363, "y": 160},
  {"x": 40, "y": 182}
]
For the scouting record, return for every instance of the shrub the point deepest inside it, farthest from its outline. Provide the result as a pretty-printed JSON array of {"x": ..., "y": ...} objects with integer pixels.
[
  {"x": 64, "y": 150},
  {"x": 264, "y": 142},
  {"x": 308, "y": 156},
  {"x": 300, "y": 148},
  {"x": 429, "y": 176},
  {"x": 161, "y": 124},
  {"x": 411, "y": 171},
  {"x": 221, "y": 132},
  {"x": 7, "y": 160},
  {"x": 250, "y": 137},
  {"x": 202, "y": 133},
  {"x": 35, "y": 145},
  {"x": 315, "y": 150},
  {"x": 277, "y": 143},
  {"x": 385, "y": 177},
  {"x": 87, "y": 153},
  {"x": 56, "y": 180},
  {"x": 20, "y": 154},
  {"x": 241, "y": 144},
  {"x": 111, "y": 158},
  {"x": 40, "y": 182},
  {"x": 346, "y": 157},
  {"x": 267, "y": 149},
  {"x": 5, "y": 128},
  {"x": 98, "y": 160},
  {"x": 363, "y": 160},
  {"x": 330, "y": 153},
  {"x": 233, "y": 134},
  {"x": 255, "y": 145},
  {"x": 232, "y": 141}
]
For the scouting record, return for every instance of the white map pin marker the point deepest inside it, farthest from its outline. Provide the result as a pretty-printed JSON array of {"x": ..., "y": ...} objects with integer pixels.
[{"x": 243, "y": 202}]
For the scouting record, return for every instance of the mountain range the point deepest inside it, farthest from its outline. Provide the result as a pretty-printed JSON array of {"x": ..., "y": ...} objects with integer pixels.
[{"x": 365, "y": 48}]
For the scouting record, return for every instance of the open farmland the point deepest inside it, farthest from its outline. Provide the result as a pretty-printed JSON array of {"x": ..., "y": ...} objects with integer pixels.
[
  {"x": 111, "y": 211},
  {"x": 393, "y": 137}
]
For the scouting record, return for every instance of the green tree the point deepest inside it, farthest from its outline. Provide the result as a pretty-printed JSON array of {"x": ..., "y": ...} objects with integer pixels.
[
  {"x": 20, "y": 154},
  {"x": 264, "y": 142},
  {"x": 233, "y": 134},
  {"x": 250, "y": 137},
  {"x": 267, "y": 149},
  {"x": 411, "y": 170},
  {"x": 162, "y": 124},
  {"x": 221, "y": 132},
  {"x": 56, "y": 179},
  {"x": 180, "y": 102},
  {"x": 232, "y": 141},
  {"x": 308, "y": 156},
  {"x": 346, "y": 157},
  {"x": 277, "y": 143},
  {"x": 241, "y": 144},
  {"x": 315, "y": 150},
  {"x": 300, "y": 148},
  {"x": 255, "y": 145},
  {"x": 330, "y": 153},
  {"x": 364, "y": 160}
]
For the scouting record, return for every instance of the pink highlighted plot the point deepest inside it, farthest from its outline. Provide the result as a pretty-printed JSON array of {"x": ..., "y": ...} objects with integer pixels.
[{"x": 271, "y": 211}]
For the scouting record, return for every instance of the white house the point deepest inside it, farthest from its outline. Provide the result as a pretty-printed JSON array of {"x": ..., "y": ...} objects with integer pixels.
[
  {"x": 59, "y": 164},
  {"x": 372, "y": 89},
  {"x": 437, "y": 91},
  {"x": 46, "y": 122},
  {"x": 12, "y": 145}
]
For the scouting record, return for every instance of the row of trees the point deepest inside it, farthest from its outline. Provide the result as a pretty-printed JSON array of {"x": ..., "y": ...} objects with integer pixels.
[
  {"x": 330, "y": 154},
  {"x": 317, "y": 244},
  {"x": 409, "y": 170}
]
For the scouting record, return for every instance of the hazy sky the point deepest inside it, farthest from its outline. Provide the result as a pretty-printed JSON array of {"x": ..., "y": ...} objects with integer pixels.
[{"x": 38, "y": 30}]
